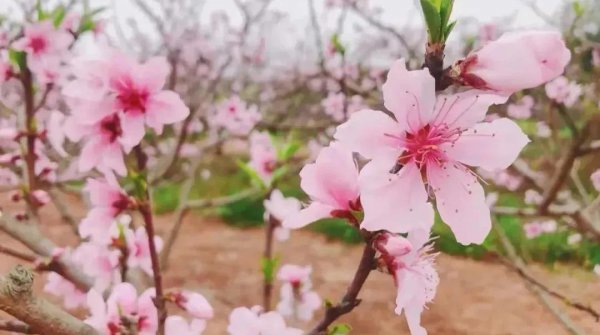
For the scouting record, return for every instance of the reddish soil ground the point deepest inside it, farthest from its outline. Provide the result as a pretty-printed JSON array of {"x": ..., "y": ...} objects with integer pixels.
[{"x": 474, "y": 298}]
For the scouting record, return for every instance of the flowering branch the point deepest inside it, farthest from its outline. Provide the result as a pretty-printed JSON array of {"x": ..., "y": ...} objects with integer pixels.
[
  {"x": 350, "y": 299},
  {"x": 16, "y": 298}
]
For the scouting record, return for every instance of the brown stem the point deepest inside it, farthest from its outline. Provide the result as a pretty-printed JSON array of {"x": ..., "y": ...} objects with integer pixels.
[
  {"x": 562, "y": 173},
  {"x": 350, "y": 299},
  {"x": 267, "y": 256},
  {"x": 17, "y": 299},
  {"x": 145, "y": 210},
  {"x": 159, "y": 301},
  {"x": 434, "y": 62},
  {"x": 27, "y": 82}
]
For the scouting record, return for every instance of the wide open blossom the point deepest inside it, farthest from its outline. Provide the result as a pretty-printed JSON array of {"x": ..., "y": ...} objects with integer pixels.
[
  {"x": 298, "y": 300},
  {"x": 44, "y": 44},
  {"x": 102, "y": 148},
  {"x": 246, "y": 321},
  {"x": 431, "y": 142},
  {"x": 411, "y": 263},
  {"x": 98, "y": 262},
  {"x": 116, "y": 83},
  {"x": 515, "y": 61},
  {"x": 236, "y": 116},
  {"x": 123, "y": 304},
  {"x": 107, "y": 200},
  {"x": 331, "y": 182}
]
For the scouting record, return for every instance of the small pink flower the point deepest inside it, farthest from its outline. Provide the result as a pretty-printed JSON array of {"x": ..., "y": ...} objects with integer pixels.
[
  {"x": 245, "y": 321},
  {"x": 522, "y": 109},
  {"x": 6, "y": 71},
  {"x": 415, "y": 277},
  {"x": 236, "y": 116},
  {"x": 533, "y": 197},
  {"x": 595, "y": 177},
  {"x": 263, "y": 157},
  {"x": 331, "y": 183},
  {"x": 176, "y": 325},
  {"x": 123, "y": 303},
  {"x": 281, "y": 207},
  {"x": 515, "y": 61},
  {"x": 433, "y": 142},
  {"x": 542, "y": 130},
  {"x": 60, "y": 287},
  {"x": 108, "y": 200},
  {"x": 334, "y": 105},
  {"x": 563, "y": 92},
  {"x": 44, "y": 44},
  {"x": 194, "y": 303},
  {"x": 533, "y": 229},
  {"x": 99, "y": 262},
  {"x": 139, "y": 249}
]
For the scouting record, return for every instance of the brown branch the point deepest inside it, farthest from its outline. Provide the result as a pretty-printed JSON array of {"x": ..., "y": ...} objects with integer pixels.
[
  {"x": 562, "y": 172},
  {"x": 350, "y": 299},
  {"x": 15, "y": 327},
  {"x": 16, "y": 299},
  {"x": 65, "y": 215}
]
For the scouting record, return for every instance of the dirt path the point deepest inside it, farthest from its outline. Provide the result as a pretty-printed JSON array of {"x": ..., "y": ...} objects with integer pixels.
[{"x": 474, "y": 298}]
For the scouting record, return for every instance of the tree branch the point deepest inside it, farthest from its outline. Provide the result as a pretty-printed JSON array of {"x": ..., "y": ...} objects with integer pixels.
[
  {"x": 15, "y": 327},
  {"x": 350, "y": 299},
  {"x": 16, "y": 299}
]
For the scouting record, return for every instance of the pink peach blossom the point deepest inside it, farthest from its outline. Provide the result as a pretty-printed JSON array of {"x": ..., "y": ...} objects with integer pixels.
[
  {"x": 521, "y": 109},
  {"x": 99, "y": 262},
  {"x": 281, "y": 207},
  {"x": 415, "y": 276},
  {"x": 44, "y": 45},
  {"x": 432, "y": 142},
  {"x": 263, "y": 156},
  {"x": 542, "y": 130},
  {"x": 515, "y": 61},
  {"x": 60, "y": 287},
  {"x": 108, "y": 200},
  {"x": 334, "y": 106},
  {"x": 562, "y": 91},
  {"x": 139, "y": 249},
  {"x": 123, "y": 303},
  {"x": 236, "y": 116},
  {"x": 331, "y": 182},
  {"x": 298, "y": 300},
  {"x": 195, "y": 304}
]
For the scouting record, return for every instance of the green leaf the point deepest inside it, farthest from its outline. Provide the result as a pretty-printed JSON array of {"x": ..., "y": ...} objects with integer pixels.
[
  {"x": 337, "y": 45},
  {"x": 254, "y": 177},
  {"x": 268, "y": 267},
  {"x": 58, "y": 15},
  {"x": 445, "y": 11},
  {"x": 449, "y": 30},
  {"x": 578, "y": 8},
  {"x": 432, "y": 18},
  {"x": 17, "y": 58},
  {"x": 42, "y": 15},
  {"x": 339, "y": 329},
  {"x": 278, "y": 173},
  {"x": 288, "y": 150}
]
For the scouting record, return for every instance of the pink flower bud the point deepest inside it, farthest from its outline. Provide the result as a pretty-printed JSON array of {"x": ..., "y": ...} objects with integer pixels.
[
  {"x": 195, "y": 304},
  {"x": 41, "y": 197},
  {"x": 397, "y": 245},
  {"x": 515, "y": 61}
]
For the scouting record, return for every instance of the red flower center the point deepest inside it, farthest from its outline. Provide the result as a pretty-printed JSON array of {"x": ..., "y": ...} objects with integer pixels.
[
  {"x": 133, "y": 99},
  {"x": 111, "y": 126},
  {"x": 38, "y": 44},
  {"x": 423, "y": 146}
]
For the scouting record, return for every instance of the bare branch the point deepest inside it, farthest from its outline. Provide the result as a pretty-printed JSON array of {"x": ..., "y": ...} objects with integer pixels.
[{"x": 16, "y": 299}]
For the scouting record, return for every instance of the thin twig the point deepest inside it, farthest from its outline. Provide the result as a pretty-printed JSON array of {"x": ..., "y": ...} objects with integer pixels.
[
  {"x": 17, "y": 254},
  {"x": 15, "y": 327}
]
